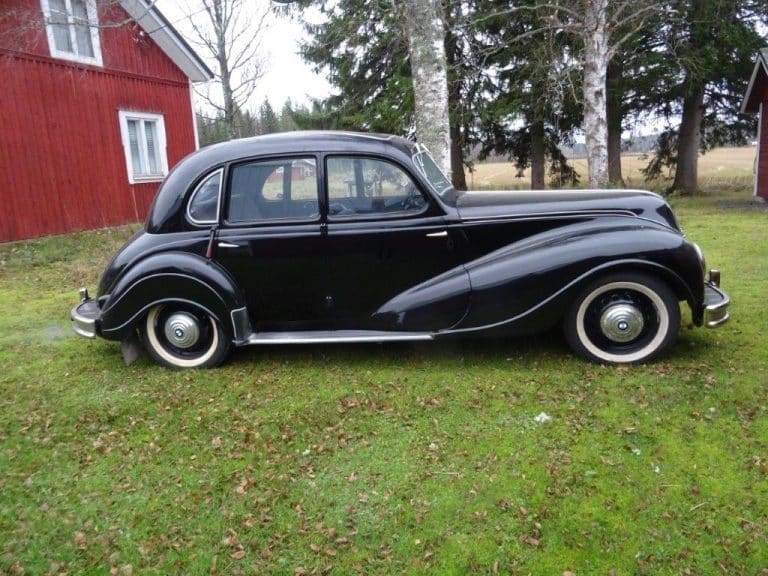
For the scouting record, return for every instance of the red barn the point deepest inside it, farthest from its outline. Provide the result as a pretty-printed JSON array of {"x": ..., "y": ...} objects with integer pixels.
[
  {"x": 756, "y": 102},
  {"x": 96, "y": 106}
]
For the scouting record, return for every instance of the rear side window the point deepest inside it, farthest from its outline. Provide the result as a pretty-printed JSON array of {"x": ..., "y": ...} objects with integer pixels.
[
  {"x": 203, "y": 206},
  {"x": 280, "y": 189}
]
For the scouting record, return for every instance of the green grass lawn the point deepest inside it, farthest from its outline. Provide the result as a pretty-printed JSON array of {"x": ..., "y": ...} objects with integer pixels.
[{"x": 383, "y": 459}]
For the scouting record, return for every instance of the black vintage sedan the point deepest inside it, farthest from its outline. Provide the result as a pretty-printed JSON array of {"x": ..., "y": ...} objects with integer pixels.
[{"x": 318, "y": 237}]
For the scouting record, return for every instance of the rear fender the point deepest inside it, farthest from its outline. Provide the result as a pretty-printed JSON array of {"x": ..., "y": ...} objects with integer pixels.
[
  {"x": 535, "y": 280},
  {"x": 172, "y": 277}
]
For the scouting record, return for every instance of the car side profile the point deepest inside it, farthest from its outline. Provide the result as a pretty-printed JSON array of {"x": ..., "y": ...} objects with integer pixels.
[{"x": 317, "y": 237}]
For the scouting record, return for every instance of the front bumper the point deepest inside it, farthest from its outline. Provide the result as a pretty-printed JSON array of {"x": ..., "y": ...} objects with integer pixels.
[
  {"x": 716, "y": 303},
  {"x": 85, "y": 315}
]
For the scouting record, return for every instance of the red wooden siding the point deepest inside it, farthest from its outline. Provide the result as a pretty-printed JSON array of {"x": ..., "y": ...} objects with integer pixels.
[
  {"x": 62, "y": 163},
  {"x": 124, "y": 48},
  {"x": 762, "y": 160}
]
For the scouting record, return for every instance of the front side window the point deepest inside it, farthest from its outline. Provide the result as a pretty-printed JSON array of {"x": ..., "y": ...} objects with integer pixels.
[
  {"x": 279, "y": 189},
  {"x": 72, "y": 27},
  {"x": 144, "y": 142},
  {"x": 368, "y": 187}
]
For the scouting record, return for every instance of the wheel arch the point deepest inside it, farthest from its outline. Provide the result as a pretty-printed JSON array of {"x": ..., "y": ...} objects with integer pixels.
[{"x": 173, "y": 277}]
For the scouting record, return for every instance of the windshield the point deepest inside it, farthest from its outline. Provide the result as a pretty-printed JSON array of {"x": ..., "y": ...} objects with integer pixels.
[{"x": 431, "y": 171}]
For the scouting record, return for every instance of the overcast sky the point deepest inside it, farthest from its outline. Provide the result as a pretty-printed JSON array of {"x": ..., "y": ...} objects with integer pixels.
[{"x": 287, "y": 75}]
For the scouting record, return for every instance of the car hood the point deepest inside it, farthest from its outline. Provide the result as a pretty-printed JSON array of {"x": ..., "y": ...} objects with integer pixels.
[{"x": 538, "y": 203}]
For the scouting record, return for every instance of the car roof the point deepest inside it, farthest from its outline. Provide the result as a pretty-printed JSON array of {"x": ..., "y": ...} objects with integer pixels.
[
  {"x": 167, "y": 203},
  {"x": 300, "y": 141}
]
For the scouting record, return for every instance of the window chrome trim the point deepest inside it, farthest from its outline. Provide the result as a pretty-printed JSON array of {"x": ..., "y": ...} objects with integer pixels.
[
  {"x": 382, "y": 216},
  {"x": 200, "y": 184},
  {"x": 283, "y": 220}
]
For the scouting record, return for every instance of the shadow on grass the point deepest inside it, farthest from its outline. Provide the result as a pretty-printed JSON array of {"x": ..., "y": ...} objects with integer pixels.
[{"x": 466, "y": 351}]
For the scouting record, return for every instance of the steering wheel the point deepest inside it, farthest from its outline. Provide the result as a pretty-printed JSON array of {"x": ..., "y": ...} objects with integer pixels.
[
  {"x": 310, "y": 209},
  {"x": 413, "y": 201},
  {"x": 339, "y": 209}
]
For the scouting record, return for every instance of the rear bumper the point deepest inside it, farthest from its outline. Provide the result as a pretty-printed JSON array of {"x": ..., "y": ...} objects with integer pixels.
[
  {"x": 85, "y": 316},
  {"x": 716, "y": 304}
]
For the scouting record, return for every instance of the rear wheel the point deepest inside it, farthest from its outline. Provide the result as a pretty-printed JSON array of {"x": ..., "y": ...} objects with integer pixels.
[
  {"x": 180, "y": 336},
  {"x": 623, "y": 319}
]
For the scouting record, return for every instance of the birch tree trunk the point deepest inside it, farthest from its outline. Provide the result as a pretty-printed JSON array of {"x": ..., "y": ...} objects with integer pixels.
[
  {"x": 425, "y": 28},
  {"x": 596, "y": 57}
]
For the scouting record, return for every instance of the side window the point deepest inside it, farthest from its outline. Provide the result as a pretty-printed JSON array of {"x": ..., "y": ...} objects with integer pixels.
[
  {"x": 280, "y": 189},
  {"x": 370, "y": 187},
  {"x": 203, "y": 206}
]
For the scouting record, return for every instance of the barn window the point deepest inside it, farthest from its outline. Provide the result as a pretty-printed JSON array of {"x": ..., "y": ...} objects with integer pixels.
[
  {"x": 73, "y": 32},
  {"x": 143, "y": 137}
]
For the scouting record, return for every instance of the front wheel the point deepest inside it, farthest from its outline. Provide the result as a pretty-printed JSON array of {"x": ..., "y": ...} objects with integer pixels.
[
  {"x": 180, "y": 336},
  {"x": 623, "y": 319}
]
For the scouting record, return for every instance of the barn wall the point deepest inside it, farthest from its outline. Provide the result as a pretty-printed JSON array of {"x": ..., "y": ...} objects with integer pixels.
[
  {"x": 62, "y": 164},
  {"x": 762, "y": 161}
]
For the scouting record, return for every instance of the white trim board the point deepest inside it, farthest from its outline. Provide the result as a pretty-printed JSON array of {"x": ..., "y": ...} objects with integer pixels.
[{"x": 762, "y": 57}]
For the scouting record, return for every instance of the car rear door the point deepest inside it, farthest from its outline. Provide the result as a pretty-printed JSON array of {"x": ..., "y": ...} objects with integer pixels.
[{"x": 270, "y": 242}]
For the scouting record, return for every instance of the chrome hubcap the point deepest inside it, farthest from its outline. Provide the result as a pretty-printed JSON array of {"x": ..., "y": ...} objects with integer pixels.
[
  {"x": 622, "y": 322},
  {"x": 182, "y": 330}
]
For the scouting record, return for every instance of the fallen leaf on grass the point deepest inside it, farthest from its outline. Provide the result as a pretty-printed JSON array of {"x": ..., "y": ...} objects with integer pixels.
[
  {"x": 238, "y": 555},
  {"x": 542, "y": 418}
]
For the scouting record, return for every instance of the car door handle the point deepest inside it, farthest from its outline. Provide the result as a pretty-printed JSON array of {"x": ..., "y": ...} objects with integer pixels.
[
  {"x": 228, "y": 245},
  {"x": 442, "y": 234}
]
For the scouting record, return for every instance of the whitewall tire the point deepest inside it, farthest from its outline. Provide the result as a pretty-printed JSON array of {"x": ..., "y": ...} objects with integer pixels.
[
  {"x": 626, "y": 318},
  {"x": 182, "y": 336}
]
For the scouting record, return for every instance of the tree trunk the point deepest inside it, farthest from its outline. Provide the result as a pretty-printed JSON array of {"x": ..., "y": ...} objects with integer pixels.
[
  {"x": 452, "y": 58},
  {"x": 538, "y": 157},
  {"x": 458, "y": 178},
  {"x": 614, "y": 112},
  {"x": 595, "y": 70},
  {"x": 687, "y": 172},
  {"x": 425, "y": 29},
  {"x": 222, "y": 57}
]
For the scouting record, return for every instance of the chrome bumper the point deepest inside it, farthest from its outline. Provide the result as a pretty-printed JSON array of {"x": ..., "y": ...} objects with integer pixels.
[
  {"x": 716, "y": 303},
  {"x": 84, "y": 316}
]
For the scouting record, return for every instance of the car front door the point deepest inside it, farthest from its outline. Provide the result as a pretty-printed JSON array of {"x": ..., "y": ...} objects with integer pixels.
[
  {"x": 270, "y": 242},
  {"x": 385, "y": 237}
]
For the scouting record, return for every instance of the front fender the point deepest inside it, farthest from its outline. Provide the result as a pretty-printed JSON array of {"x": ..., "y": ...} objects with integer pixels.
[
  {"x": 534, "y": 280},
  {"x": 171, "y": 277}
]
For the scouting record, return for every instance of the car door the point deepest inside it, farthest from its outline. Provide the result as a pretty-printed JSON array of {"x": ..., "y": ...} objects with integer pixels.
[
  {"x": 385, "y": 236},
  {"x": 270, "y": 242}
]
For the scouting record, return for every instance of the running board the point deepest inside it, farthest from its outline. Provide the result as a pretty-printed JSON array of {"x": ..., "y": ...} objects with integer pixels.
[{"x": 335, "y": 337}]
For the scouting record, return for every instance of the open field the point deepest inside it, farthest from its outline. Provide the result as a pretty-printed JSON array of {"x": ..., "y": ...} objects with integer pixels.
[
  {"x": 726, "y": 167},
  {"x": 383, "y": 459}
]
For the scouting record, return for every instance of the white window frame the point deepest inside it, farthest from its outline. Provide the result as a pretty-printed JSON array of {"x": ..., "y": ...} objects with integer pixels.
[
  {"x": 126, "y": 115},
  {"x": 90, "y": 6}
]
